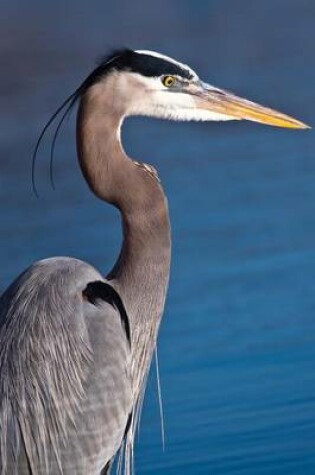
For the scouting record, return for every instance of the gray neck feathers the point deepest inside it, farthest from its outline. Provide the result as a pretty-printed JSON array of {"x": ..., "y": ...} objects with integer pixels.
[{"x": 141, "y": 272}]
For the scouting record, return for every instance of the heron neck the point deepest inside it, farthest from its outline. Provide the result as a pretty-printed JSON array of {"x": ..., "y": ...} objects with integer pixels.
[{"x": 142, "y": 269}]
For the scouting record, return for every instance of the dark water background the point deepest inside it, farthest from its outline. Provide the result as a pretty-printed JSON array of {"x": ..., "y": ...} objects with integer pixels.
[{"x": 237, "y": 344}]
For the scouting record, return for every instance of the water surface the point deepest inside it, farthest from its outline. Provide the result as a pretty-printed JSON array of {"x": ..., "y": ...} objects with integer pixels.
[{"x": 237, "y": 343}]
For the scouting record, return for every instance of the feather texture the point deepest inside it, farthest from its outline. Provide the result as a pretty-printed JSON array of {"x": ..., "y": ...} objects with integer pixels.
[{"x": 48, "y": 401}]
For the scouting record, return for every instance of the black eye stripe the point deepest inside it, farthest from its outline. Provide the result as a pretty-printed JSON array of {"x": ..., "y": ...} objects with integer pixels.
[
  {"x": 141, "y": 63},
  {"x": 154, "y": 66}
]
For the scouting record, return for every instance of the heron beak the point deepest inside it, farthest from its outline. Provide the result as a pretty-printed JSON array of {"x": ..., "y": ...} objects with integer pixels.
[{"x": 225, "y": 103}]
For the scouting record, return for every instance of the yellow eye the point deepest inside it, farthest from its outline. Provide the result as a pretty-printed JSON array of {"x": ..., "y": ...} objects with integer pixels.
[{"x": 168, "y": 81}]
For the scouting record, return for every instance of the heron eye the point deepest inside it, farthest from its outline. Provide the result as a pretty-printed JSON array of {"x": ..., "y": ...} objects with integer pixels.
[{"x": 168, "y": 81}]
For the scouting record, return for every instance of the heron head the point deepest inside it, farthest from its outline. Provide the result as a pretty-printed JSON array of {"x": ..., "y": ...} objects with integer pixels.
[
  {"x": 147, "y": 83},
  {"x": 150, "y": 84}
]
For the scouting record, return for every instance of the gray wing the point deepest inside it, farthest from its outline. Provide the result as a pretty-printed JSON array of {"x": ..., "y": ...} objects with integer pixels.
[{"x": 65, "y": 390}]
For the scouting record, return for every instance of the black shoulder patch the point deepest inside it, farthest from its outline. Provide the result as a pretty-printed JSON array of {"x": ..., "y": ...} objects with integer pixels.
[
  {"x": 105, "y": 470},
  {"x": 99, "y": 290}
]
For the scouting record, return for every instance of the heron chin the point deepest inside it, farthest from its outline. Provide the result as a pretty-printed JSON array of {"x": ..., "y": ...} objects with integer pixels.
[{"x": 75, "y": 345}]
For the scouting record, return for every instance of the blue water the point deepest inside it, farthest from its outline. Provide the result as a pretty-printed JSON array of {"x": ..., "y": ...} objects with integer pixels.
[{"x": 237, "y": 343}]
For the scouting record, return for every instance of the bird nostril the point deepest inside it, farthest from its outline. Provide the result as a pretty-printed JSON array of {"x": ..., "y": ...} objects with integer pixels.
[{"x": 218, "y": 92}]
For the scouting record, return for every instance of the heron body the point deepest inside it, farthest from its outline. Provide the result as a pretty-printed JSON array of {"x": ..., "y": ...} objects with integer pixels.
[{"x": 76, "y": 346}]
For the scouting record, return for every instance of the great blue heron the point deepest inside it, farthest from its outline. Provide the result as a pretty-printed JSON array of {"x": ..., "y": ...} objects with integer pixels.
[{"x": 75, "y": 347}]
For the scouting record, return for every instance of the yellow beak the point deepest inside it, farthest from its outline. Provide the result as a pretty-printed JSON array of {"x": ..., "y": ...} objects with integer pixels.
[{"x": 225, "y": 103}]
